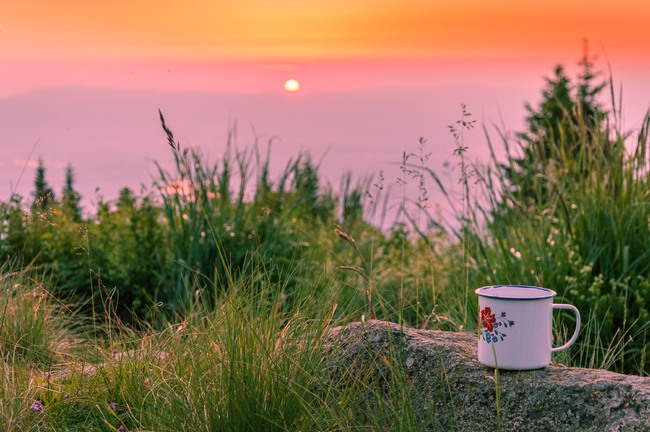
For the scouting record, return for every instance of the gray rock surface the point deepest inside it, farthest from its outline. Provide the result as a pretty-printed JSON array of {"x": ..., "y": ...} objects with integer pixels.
[{"x": 449, "y": 390}]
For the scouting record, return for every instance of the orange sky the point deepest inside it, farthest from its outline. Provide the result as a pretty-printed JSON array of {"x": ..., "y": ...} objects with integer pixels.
[
  {"x": 254, "y": 45},
  {"x": 374, "y": 73},
  {"x": 298, "y": 29}
]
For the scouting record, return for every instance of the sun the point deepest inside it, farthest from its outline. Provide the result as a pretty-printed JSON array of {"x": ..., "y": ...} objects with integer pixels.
[{"x": 291, "y": 85}]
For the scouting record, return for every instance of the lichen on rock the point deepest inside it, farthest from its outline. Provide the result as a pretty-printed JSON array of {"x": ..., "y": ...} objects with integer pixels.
[{"x": 448, "y": 389}]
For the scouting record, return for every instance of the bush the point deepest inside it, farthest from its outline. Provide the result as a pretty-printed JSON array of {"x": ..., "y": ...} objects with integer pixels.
[
  {"x": 216, "y": 234},
  {"x": 128, "y": 257},
  {"x": 573, "y": 218}
]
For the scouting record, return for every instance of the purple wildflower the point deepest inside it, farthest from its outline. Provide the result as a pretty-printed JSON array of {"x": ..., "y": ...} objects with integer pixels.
[
  {"x": 113, "y": 406},
  {"x": 37, "y": 406}
]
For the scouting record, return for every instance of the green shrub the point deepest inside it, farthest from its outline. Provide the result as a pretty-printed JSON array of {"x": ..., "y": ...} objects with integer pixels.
[
  {"x": 128, "y": 256},
  {"x": 215, "y": 231},
  {"x": 573, "y": 218}
]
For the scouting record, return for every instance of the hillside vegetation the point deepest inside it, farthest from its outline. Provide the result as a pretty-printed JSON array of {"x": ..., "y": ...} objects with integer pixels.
[{"x": 201, "y": 303}]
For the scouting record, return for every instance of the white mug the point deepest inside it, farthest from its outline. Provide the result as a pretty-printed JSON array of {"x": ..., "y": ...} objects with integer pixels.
[{"x": 516, "y": 326}]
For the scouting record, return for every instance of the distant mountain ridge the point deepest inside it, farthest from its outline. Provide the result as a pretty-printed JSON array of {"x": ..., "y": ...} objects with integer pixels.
[{"x": 111, "y": 137}]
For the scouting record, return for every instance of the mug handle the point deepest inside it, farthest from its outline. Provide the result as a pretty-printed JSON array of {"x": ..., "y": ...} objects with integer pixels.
[{"x": 577, "y": 330}]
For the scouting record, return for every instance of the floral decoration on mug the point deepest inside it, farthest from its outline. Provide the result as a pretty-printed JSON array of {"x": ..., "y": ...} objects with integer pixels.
[{"x": 491, "y": 323}]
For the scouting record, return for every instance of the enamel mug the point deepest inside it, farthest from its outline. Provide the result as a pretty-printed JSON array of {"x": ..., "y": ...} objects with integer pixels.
[{"x": 516, "y": 326}]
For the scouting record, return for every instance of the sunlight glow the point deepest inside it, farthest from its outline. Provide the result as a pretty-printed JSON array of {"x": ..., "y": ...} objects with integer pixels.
[{"x": 291, "y": 85}]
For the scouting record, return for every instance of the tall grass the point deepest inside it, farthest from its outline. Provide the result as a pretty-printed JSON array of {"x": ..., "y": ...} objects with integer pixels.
[
  {"x": 32, "y": 324},
  {"x": 583, "y": 232},
  {"x": 36, "y": 337},
  {"x": 245, "y": 362},
  {"x": 242, "y": 277},
  {"x": 241, "y": 366},
  {"x": 214, "y": 230}
]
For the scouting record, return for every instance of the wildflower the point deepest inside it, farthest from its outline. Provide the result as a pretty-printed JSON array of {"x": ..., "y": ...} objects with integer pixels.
[
  {"x": 113, "y": 406},
  {"x": 121, "y": 429},
  {"x": 37, "y": 406}
]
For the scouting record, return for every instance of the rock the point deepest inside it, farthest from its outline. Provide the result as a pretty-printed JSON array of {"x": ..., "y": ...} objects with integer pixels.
[{"x": 448, "y": 389}]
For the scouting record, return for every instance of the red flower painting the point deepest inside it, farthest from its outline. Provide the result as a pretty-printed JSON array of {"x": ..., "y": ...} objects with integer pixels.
[
  {"x": 492, "y": 326},
  {"x": 488, "y": 319}
]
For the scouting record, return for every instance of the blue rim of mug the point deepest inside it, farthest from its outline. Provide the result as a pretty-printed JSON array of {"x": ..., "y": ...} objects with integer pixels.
[{"x": 541, "y": 293}]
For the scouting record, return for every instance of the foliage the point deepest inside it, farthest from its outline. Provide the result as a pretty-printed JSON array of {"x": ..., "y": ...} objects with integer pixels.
[
  {"x": 558, "y": 131},
  {"x": 43, "y": 193},
  {"x": 128, "y": 256},
  {"x": 215, "y": 231},
  {"x": 214, "y": 300},
  {"x": 35, "y": 334},
  {"x": 571, "y": 215},
  {"x": 244, "y": 363},
  {"x": 119, "y": 254},
  {"x": 31, "y": 327},
  {"x": 70, "y": 198},
  {"x": 566, "y": 209},
  {"x": 592, "y": 203}
]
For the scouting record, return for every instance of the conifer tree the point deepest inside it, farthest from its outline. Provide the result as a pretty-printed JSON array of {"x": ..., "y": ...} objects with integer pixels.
[
  {"x": 555, "y": 134},
  {"x": 43, "y": 194},
  {"x": 126, "y": 199},
  {"x": 70, "y": 198}
]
